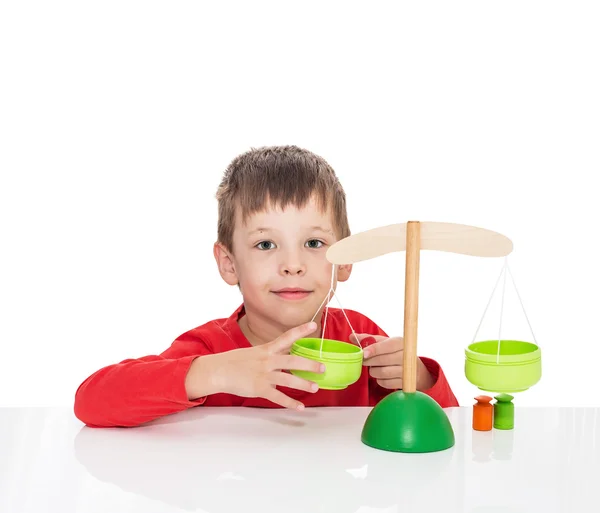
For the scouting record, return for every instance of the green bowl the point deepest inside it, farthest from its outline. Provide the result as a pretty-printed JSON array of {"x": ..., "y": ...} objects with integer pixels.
[
  {"x": 343, "y": 362},
  {"x": 518, "y": 368}
]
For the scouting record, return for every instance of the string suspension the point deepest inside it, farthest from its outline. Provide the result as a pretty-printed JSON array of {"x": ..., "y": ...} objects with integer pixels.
[
  {"x": 326, "y": 300},
  {"x": 503, "y": 273}
]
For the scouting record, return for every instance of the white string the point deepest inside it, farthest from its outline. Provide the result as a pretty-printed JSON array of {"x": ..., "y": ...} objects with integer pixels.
[
  {"x": 502, "y": 308},
  {"x": 522, "y": 306},
  {"x": 505, "y": 269},
  {"x": 348, "y": 320},
  {"x": 488, "y": 305},
  {"x": 327, "y": 310},
  {"x": 327, "y": 298}
]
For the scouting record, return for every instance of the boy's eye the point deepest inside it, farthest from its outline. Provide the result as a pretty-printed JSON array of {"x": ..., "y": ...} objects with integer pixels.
[
  {"x": 265, "y": 244},
  {"x": 261, "y": 245},
  {"x": 314, "y": 243}
]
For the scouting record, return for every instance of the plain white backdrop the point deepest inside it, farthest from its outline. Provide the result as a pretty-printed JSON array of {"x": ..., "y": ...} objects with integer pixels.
[{"x": 117, "y": 120}]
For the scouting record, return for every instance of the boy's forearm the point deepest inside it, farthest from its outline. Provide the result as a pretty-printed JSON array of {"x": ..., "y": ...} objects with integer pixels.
[{"x": 134, "y": 392}]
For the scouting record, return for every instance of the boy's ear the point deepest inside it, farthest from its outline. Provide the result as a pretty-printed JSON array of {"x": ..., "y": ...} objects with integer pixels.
[
  {"x": 344, "y": 272},
  {"x": 225, "y": 264}
]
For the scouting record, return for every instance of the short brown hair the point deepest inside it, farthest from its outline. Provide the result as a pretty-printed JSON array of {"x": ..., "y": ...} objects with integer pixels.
[{"x": 278, "y": 176}]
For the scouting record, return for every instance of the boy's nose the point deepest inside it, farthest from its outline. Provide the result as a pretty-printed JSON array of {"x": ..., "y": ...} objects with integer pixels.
[
  {"x": 291, "y": 262},
  {"x": 293, "y": 267}
]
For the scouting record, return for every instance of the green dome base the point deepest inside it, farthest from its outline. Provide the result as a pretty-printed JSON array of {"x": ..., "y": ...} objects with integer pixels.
[{"x": 408, "y": 422}]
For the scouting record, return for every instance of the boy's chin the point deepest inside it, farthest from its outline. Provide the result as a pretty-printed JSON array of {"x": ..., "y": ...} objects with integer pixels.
[{"x": 292, "y": 316}]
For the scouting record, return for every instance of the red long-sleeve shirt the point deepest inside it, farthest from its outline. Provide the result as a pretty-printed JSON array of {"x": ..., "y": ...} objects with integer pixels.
[{"x": 136, "y": 391}]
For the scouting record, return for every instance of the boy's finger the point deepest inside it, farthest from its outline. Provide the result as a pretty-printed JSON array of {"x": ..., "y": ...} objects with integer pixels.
[
  {"x": 284, "y": 342},
  {"x": 388, "y": 345},
  {"x": 365, "y": 338},
  {"x": 384, "y": 360},
  {"x": 281, "y": 399},
  {"x": 392, "y": 384},
  {"x": 283, "y": 379},
  {"x": 293, "y": 362},
  {"x": 387, "y": 372}
]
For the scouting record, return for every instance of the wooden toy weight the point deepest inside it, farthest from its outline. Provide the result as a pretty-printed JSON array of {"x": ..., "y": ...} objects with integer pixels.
[{"x": 483, "y": 413}]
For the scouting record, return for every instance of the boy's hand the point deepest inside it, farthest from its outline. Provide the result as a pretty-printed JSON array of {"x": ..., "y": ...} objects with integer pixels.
[
  {"x": 384, "y": 356},
  {"x": 256, "y": 371}
]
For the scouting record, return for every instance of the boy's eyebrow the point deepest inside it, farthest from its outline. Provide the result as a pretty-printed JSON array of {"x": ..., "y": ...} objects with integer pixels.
[
  {"x": 321, "y": 229},
  {"x": 313, "y": 228},
  {"x": 257, "y": 230}
]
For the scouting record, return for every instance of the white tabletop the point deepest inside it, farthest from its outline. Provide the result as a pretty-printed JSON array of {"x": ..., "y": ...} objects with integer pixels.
[{"x": 217, "y": 460}]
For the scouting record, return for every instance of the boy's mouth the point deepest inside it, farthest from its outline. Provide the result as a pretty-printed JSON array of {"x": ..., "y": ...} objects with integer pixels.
[{"x": 292, "y": 293}]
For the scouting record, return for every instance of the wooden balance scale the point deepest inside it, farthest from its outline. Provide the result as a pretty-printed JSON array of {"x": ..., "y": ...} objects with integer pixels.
[{"x": 408, "y": 420}]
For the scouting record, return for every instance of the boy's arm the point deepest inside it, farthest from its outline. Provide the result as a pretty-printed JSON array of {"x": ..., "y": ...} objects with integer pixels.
[{"x": 136, "y": 391}]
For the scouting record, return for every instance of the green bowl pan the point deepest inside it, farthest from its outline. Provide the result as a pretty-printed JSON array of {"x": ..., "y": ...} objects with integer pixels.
[
  {"x": 343, "y": 362},
  {"x": 518, "y": 368}
]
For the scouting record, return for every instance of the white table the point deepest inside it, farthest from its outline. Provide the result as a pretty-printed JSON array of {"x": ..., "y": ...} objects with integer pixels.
[{"x": 247, "y": 460}]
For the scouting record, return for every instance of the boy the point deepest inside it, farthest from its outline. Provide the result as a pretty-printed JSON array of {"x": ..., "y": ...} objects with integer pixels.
[{"x": 280, "y": 208}]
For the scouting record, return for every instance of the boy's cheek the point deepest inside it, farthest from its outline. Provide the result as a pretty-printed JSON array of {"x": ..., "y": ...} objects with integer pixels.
[{"x": 257, "y": 276}]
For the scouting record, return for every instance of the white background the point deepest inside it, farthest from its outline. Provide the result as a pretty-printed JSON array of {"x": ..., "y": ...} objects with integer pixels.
[{"x": 117, "y": 120}]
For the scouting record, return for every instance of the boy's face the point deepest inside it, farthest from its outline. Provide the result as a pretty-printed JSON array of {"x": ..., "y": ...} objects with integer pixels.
[{"x": 279, "y": 262}]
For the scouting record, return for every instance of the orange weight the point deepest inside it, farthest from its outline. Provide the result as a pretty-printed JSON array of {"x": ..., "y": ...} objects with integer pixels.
[{"x": 483, "y": 413}]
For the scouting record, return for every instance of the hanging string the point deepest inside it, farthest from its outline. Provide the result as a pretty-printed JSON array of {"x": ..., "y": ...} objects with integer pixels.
[
  {"x": 522, "y": 306},
  {"x": 503, "y": 272},
  {"x": 327, "y": 299},
  {"x": 326, "y": 311},
  {"x": 347, "y": 320},
  {"x": 488, "y": 305},
  {"x": 502, "y": 308}
]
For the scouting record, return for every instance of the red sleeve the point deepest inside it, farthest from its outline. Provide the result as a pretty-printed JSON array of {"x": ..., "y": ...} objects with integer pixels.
[
  {"x": 136, "y": 391},
  {"x": 440, "y": 391},
  {"x": 133, "y": 392}
]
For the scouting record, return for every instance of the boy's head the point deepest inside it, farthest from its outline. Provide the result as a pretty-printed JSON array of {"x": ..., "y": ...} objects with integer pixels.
[{"x": 280, "y": 209}]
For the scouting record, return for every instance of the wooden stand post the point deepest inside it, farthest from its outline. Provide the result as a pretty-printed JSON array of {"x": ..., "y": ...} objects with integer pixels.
[{"x": 411, "y": 306}]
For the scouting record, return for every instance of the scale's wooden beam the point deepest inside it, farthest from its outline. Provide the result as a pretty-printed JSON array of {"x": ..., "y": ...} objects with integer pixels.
[{"x": 449, "y": 237}]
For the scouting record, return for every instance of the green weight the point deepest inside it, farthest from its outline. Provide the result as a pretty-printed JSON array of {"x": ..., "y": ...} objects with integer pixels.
[{"x": 504, "y": 412}]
